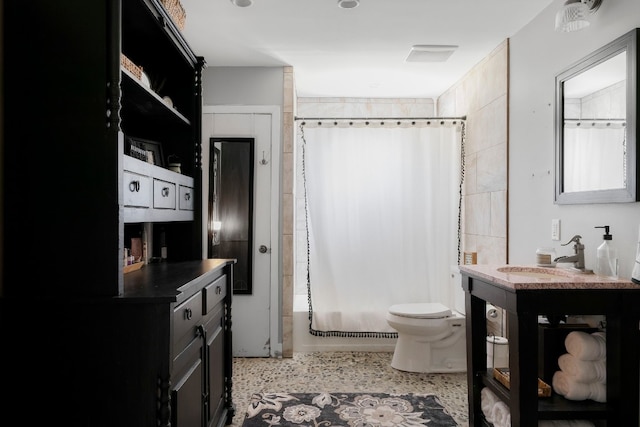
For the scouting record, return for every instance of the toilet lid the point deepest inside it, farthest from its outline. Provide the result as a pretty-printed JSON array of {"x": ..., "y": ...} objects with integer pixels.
[{"x": 424, "y": 310}]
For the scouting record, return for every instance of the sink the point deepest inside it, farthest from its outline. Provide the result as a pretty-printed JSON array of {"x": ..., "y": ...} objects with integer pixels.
[{"x": 535, "y": 272}]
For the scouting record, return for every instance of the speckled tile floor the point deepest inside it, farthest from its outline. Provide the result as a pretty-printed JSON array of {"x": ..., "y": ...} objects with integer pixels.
[{"x": 342, "y": 372}]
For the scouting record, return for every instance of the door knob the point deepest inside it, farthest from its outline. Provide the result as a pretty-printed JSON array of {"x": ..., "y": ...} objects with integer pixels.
[{"x": 263, "y": 249}]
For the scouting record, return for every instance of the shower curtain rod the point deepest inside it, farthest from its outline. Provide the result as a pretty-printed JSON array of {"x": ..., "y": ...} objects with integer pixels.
[
  {"x": 381, "y": 118},
  {"x": 596, "y": 120}
]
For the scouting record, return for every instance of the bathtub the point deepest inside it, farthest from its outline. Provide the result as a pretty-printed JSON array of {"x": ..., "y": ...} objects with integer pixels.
[{"x": 303, "y": 341}]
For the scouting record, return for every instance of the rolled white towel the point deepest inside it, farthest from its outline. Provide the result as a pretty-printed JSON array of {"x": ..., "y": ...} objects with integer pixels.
[
  {"x": 488, "y": 399},
  {"x": 583, "y": 370},
  {"x": 586, "y": 346},
  {"x": 571, "y": 389},
  {"x": 501, "y": 415}
]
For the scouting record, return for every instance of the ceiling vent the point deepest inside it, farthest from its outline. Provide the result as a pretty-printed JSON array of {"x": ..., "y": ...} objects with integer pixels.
[{"x": 430, "y": 53}]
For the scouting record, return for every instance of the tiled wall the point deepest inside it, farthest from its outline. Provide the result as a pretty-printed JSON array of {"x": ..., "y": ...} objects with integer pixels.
[
  {"x": 482, "y": 96},
  {"x": 364, "y": 107},
  {"x": 288, "y": 115}
]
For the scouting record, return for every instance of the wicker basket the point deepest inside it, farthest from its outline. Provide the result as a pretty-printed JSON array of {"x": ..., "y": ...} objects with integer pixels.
[
  {"x": 130, "y": 66},
  {"x": 176, "y": 11},
  {"x": 504, "y": 377}
]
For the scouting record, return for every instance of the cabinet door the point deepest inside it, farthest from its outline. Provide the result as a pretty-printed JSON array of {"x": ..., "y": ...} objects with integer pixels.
[
  {"x": 215, "y": 356},
  {"x": 186, "y": 394}
]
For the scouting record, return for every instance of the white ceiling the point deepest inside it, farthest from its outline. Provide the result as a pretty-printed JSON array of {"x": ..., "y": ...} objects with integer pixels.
[{"x": 357, "y": 52}]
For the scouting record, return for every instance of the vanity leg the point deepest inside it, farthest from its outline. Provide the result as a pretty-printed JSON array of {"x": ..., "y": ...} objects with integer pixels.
[
  {"x": 523, "y": 356},
  {"x": 476, "y": 328},
  {"x": 622, "y": 369}
]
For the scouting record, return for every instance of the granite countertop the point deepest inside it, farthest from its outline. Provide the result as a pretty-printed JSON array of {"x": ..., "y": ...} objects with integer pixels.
[{"x": 527, "y": 277}]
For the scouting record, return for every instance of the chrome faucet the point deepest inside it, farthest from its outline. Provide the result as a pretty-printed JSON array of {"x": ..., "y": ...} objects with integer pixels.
[{"x": 578, "y": 257}]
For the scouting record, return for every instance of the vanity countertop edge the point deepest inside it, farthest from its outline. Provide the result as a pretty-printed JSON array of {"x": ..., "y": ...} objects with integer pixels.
[{"x": 563, "y": 279}]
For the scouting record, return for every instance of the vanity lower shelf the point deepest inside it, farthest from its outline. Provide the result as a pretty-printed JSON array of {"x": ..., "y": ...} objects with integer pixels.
[{"x": 552, "y": 408}]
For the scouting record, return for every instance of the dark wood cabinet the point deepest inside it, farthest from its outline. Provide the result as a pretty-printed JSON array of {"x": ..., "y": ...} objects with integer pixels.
[
  {"x": 85, "y": 344},
  {"x": 69, "y": 109},
  {"x": 96, "y": 362},
  {"x": 200, "y": 377},
  {"x": 523, "y": 306}
]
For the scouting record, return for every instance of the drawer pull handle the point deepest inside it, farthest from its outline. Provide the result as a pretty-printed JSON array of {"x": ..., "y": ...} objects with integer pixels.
[
  {"x": 188, "y": 314},
  {"x": 218, "y": 290},
  {"x": 134, "y": 186},
  {"x": 165, "y": 191},
  {"x": 187, "y": 196}
]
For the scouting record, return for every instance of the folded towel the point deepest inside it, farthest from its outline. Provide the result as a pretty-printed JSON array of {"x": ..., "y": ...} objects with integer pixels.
[
  {"x": 571, "y": 389},
  {"x": 586, "y": 346},
  {"x": 488, "y": 399},
  {"x": 583, "y": 370},
  {"x": 501, "y": 415},
  {"x": 566, "y": 423}
]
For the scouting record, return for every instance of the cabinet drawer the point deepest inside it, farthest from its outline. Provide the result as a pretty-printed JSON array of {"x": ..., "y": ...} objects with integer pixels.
[
  {"x": 186, "y": 317},
  {"x": 137, "y": 190},
  {"x": 214, "y": 292},
  {"x": 164, "y": 194},
  {"x": 186, "y": 198}
]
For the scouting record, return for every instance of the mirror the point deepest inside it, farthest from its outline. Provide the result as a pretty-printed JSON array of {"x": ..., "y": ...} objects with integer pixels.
[
  {"x": 230, "y": 231},
  {"x": 595, "y": 126}
]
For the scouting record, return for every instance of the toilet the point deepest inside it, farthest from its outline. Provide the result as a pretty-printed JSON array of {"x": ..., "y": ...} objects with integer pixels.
[{"x": 431, "y": 338}]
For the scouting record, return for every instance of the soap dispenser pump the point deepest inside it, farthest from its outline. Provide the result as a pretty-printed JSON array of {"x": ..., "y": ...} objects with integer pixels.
[{"x": 607, "y": 256}]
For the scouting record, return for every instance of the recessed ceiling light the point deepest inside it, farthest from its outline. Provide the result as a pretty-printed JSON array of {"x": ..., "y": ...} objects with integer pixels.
[
  {"x": 348, "y": 4},
  {"x": 430, "y": 53},
  {"x": 242, "y": 3}
]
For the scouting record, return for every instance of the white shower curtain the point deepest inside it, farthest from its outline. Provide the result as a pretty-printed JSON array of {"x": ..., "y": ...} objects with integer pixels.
[{"x": 382, "y": 220}]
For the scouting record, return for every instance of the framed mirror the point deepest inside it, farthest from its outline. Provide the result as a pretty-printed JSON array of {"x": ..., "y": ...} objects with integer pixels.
[{"x": 595, "y": 126}]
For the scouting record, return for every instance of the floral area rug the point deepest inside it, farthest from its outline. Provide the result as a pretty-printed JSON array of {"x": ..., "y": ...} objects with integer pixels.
[{"x": 346, "y": 409}]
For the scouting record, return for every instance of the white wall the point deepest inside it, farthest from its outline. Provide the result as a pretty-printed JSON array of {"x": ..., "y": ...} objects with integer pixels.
[
  {"x": 537, "y": 55},
  {"x": 242, "y": 86}
]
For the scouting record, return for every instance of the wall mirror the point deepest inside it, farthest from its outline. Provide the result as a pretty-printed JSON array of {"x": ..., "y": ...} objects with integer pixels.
[
  {"x": 230, "y": 231},
  {"x": 595, "y": 126}
]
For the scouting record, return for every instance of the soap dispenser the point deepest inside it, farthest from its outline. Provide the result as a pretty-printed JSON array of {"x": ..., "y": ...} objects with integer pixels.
[{"x": 607, "y": 256}]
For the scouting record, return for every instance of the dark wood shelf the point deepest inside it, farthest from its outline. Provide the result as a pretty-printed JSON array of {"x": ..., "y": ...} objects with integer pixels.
[
  {"x": 554, "y": 407},
  {"x": 142, "y": 100}
]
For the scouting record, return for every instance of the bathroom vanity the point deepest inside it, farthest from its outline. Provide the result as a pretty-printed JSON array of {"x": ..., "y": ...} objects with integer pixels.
[{"x": 527, "y": 292}]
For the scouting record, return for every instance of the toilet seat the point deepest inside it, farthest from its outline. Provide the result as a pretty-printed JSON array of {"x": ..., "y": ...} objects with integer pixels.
[{"x": 425, "y": 310}]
